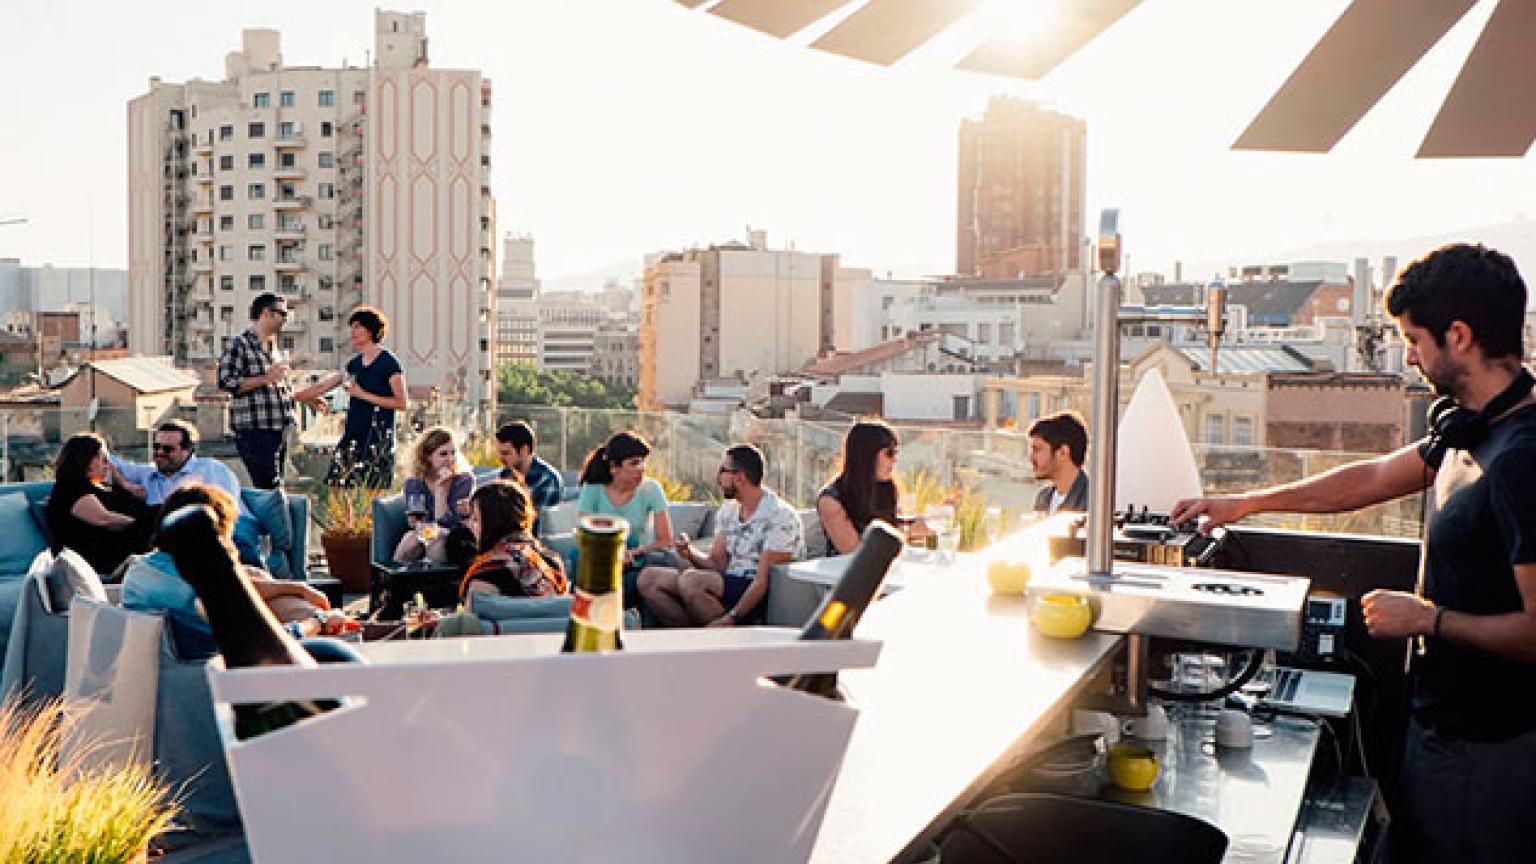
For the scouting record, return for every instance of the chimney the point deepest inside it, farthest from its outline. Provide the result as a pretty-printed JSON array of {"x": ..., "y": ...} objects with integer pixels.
[{"x": 1360, "y": 300}]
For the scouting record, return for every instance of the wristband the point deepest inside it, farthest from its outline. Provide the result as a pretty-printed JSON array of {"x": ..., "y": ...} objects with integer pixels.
[{"x": 1439, "y": 613}]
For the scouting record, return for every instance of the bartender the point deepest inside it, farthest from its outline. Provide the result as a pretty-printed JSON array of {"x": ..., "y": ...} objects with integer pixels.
[
  {"x": 1469, "y": 766},
  {"x": 1057, "y": 446}
]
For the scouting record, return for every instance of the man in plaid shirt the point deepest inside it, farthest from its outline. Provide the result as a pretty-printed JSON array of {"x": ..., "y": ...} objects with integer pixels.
[{"x": 261, "y": 403}]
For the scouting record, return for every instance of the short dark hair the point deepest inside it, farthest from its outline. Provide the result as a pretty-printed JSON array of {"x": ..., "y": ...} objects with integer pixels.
[
  {"x": 505, "y": 511},
  {"x": 1469, "y": 283},
  {"x": 262, "y": 303},
  {"x": 517, "y": 433},
  {"x": 748, "y": 460},
  {"x": 1063, "y": 429},
  {"x": 187, "y": 430},
  {"x": 371, "y": 320}
]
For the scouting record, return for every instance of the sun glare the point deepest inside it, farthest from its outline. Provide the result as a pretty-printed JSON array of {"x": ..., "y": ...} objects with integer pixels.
[{"x": 1020, "y": 22}]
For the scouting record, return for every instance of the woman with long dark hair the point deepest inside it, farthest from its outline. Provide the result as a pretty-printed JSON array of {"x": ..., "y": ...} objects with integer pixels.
[
  {"x": 509, "y": 560},
  {"x": 613, "y": 483},
  {"x": 864, "y": 489},
  {"x": 89, "y": 512}
]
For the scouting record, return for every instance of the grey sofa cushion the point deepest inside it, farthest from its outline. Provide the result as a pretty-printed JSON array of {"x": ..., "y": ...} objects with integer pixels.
[{"x": 70, "y": 576}]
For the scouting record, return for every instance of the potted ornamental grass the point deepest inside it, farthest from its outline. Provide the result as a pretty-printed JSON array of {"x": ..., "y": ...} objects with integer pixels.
[
  {"x": 346, "y": 534},
  {"x": 57, "y": 805}
]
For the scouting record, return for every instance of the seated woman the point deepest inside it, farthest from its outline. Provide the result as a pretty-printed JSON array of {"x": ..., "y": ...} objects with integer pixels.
[
  {"x": 510, "y": 560},
  {"x": 613, "y": 483},
  {"x": 864, "y": 489},
  {"x": 436, "y": 498},
  {"x": 90, "y": 512},
  {"x": 153, "y": 584}
]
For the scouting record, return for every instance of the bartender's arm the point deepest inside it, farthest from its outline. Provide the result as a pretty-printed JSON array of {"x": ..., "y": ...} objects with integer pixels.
[
  {"x": 1347, "y": 487},
  {"x": 1510, "y": 634}
]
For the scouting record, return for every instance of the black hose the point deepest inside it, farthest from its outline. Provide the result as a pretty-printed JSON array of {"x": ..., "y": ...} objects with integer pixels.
[{"x": 1255, "y": 663}]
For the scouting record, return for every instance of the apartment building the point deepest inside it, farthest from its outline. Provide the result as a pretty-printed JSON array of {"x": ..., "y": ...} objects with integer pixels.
[
  {"x": 517, "y": 304},
  {"x": 331, "y": 186}
]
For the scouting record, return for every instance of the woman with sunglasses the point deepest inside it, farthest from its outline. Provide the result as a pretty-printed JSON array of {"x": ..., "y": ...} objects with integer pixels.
[{"x": 864, "y": 489}]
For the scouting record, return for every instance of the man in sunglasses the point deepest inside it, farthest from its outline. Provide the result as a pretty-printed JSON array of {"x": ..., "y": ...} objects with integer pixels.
[
  {"x": 175, "y": 458},
  {"x": 255, "y": 374},
  {"x": 729, "y": 586}
]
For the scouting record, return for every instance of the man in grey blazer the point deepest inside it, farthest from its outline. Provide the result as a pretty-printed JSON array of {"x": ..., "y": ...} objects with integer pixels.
[{"x": 1058, "y": 443}]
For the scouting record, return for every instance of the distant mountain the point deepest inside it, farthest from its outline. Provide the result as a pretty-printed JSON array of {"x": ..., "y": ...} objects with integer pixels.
[{"x": 626, "y": 272}]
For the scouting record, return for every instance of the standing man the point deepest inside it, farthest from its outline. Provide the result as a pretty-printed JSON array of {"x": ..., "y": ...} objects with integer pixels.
[
  {"x": 729, "y": 586},
  {"x": 176, "y": 462},
  {"x": 255, "y": 375},
  {"x": 514, "y": 444},
  {"x": 1469, "y": 765},
  {"x": 1058, "y": 443}
]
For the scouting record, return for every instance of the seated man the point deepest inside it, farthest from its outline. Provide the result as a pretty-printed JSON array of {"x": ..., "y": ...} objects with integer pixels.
[
  {"x": 176, "y": 462},
  {"x": 153, "y": 584},
  {"x": 755, "y": 531},
  {"x": 514, "y": 444}
]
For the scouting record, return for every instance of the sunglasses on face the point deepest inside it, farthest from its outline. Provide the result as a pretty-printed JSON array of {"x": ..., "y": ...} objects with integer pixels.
[
  {"x": 281, "y": 313},
  {"x": 726, "y": 469},
  {"x": 165, "y": 448}
]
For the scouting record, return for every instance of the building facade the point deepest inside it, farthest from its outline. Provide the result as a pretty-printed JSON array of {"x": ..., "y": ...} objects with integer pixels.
[
  {"x": 517, "y": 304},
  {"x": 1021, "y": 192},
  {"x": 331, "y": 186}
]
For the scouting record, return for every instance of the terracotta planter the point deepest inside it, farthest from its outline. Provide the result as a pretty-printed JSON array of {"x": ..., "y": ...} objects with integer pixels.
[{"x": 347, "y": 555}]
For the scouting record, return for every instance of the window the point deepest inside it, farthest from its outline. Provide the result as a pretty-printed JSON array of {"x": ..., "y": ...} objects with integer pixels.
[
  {"x": 256, "y": 221},
  {"x": 226, "y": 133},
  {"x": 226, "y": 163},
  {"x": 326, "y": 222},
  {"x": 256, "y": 252},
  {"x": 286, "y": 192},
  {"x": 226, "y": 193},
  {"x": 224, "y": 344},
  {"x": 327, "y": 98},
  {"x": 983, "y": 333},
  {"x": 285, "y": 99},
  {"x": 256, "y": 130},
  {"x": 286, "y": 343},
  {"x": 226, "y": 253},
  {"x": 325, "y": 252},
  {"x": 1242, "y": 431},
  {"x": 257, "y": 283},
  {"x": 327, "y": 160},
  {"x": 256, "y": 191},
  {"x": 327, "y": 190},
  {"x": 226, "y": 223},
  {"x": 325, "y": 129},
  {"x": 226, "y": 283},
  {"x": 287, "y": 283},
  {"x": 226, "y": 313},
  {"x": 327, "y": 345},
  {"x": 286, "y": 130},
  {"x": 327, "y": 314},
  {"x": 357, "y": 97},
  {"x": 256, "y": 160},
  {"x": 1215, "y": 429},
  {"x": 1034, "y": 405},
  {"x": 261, "y": 100}
]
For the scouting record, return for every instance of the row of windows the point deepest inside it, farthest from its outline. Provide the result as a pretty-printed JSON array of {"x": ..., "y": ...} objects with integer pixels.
[
  {"x": 325, "y": 159},
  {"x": 287, "y": 129},
  {"x": 258, "y": 222},
  {"x": 285, "y": 191},
  {"x": 287, "y": 99},
  {"x": 258, "y": 252}
]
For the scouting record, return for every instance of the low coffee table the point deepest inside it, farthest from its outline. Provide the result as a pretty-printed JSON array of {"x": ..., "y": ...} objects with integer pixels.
[{"x": 393, "y": 584}]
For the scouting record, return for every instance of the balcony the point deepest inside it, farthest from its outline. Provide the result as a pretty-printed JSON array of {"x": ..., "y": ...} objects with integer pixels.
[
  {"x": 292, "y": 202},
  {"x": 203, "y": 234},
  {"x": 202, "y": 266},
  {"x": 295, "y": 141},
  {"x": 203, "y": 148},
  {"x": 289, "y": 231},
  {"x": 201, "y": 208},
  {"x": 289, "y": 265},
  {"x": 292, "y": 172},
  {"x": 204, "y": 178}
]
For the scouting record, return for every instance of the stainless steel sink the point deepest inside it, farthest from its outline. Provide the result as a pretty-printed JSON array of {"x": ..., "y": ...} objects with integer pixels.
[{"x": 1225, "y": 607}]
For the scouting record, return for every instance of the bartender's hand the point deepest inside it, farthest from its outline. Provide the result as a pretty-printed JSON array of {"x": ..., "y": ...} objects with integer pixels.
[
  {"x": 1217, "y": 512},
  {"x": 1391, "y": 614}
]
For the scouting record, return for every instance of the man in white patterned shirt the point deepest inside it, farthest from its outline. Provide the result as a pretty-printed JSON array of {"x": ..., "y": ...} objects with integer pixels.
[
  {"x": 754, "y": 532},
  {"x": 255, "y": 375}
]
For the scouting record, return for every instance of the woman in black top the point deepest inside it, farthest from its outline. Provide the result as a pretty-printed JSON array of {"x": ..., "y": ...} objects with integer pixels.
[
  {"x": 510, "y": 560},
  {"x": 89, "y": 513},
  {"x": 365, "y": 455},
  {"x": 863, "y": 490}
]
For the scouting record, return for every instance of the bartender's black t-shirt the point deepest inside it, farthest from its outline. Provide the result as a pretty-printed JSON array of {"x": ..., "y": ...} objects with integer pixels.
[{"x": 1484, "y": 523}]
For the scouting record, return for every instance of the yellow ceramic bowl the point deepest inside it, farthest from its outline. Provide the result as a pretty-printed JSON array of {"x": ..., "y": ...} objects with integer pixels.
[
  {"x": 1061, "y": 616},
  {"x": 1133, "y": 768},
  {"x": 1007, "y": 577}
]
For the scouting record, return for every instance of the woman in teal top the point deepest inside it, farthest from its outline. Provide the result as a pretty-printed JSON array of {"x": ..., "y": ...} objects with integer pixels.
[{"x": 613, "y": 483}]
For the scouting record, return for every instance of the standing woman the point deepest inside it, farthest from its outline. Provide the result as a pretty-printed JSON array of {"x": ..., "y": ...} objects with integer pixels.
[
  {"x": 365, "y": 455},
  {"x": 89, "y": 512},
  {"x": 864, "y": 489},
  {"x": 613, "y": 483}
]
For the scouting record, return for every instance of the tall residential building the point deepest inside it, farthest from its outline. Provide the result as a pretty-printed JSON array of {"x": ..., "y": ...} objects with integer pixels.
[
  {"x": 334, "y": 187},
  {"x": 517, "y": 304},
  {"x": 733, "y": 312},
  {"x": 1021, "y": 192}
]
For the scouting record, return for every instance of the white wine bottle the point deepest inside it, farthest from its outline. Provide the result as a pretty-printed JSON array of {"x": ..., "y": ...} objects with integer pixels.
[{"x": 597, "y": 608}]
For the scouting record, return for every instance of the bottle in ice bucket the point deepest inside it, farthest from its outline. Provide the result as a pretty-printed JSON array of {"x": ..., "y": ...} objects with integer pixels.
[{"x": 597, "y": 609}]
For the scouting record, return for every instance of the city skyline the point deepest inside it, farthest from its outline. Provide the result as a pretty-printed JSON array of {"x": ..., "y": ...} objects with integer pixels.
[{"x": 627, "y": 128}]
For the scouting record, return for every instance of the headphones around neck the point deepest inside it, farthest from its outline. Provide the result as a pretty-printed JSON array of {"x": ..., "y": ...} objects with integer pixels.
[{"x": 1453, "y": 427}]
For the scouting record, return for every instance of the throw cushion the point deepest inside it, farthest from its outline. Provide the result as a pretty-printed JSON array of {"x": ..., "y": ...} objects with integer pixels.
[
  {"x": 23, "y": 539},
  {"x": 70, "y": 577},
  {"x": 270, "y": 507}
]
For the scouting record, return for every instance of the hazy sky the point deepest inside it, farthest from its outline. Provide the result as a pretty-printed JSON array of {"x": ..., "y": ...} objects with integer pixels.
[{"x": 626, "y": 126}]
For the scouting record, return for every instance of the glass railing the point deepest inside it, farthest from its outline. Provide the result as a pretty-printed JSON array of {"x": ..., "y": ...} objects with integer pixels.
[{"x": 935, "y": 463}]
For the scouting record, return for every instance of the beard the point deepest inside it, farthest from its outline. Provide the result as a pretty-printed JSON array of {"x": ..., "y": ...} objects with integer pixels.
[
  {"x": 729, "y": 492},
  {"x": 1445, "y": 378}
]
